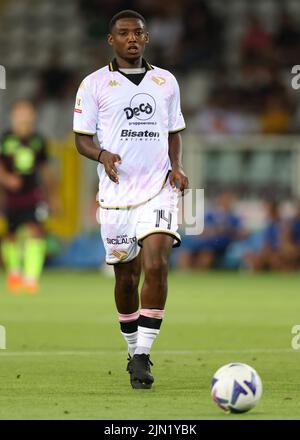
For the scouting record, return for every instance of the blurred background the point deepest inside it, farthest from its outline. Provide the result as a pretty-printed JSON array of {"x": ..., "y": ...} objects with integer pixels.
[{"x": 233, "y": 61}]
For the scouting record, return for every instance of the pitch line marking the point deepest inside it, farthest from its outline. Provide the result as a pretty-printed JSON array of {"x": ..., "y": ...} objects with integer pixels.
[{"x": 158, "y": 352}]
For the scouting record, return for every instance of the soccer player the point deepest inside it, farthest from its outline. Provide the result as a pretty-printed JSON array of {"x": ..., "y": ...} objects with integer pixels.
[
  {"x": 22, "y": 157},
  {"x": 134, "y": 108}
]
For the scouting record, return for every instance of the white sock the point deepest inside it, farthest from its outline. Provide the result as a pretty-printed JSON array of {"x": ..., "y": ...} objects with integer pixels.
[
  {"x": 145, "y": 338},
  {"x": 131, "y": 339}
]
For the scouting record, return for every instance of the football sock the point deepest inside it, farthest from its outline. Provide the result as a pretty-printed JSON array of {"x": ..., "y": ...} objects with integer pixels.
[
  {"x": 129, "y": 327},
  {"x": 148, "y": 328},
  {"x": 11, "y": 255},
  {"x": 34, "y": 257}
]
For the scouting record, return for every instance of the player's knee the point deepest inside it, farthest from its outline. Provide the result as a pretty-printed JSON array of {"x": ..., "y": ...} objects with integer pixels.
[
  {"x": 156, "y": 268},
  {"x": 128, "y": 283}
]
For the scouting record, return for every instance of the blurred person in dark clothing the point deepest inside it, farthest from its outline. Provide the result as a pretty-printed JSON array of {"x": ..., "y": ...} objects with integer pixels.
[
  {"x": 287, "y": 41},
  {"x": 23, "y": 163},
  {"x": 55, "y": 81},
  {"x": 202, "y": 37}
]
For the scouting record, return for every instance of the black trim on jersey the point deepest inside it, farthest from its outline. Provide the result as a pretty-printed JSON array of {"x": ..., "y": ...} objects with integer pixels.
[
  {"x": 113, "y": 65},
  {"x": 135, "y": 78}
]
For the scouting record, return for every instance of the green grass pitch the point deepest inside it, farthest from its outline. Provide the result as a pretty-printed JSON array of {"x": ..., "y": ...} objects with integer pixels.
[{"x": 65, "y": 358}]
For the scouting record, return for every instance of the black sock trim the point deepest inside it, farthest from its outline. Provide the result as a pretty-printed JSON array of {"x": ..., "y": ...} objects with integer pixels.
[
  {"x": 129, "y": 327},
  {"x": 145, "y": 321}
]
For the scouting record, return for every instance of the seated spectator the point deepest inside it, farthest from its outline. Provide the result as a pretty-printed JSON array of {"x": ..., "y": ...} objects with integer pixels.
[
  {"x": 276, "y": 117},
  {"x": 221, "y": 227},
  {"x": 278, "y": 251}
]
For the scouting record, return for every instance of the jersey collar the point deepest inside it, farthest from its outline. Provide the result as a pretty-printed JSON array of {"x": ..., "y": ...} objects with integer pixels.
[{"x": 113, "y": 66}]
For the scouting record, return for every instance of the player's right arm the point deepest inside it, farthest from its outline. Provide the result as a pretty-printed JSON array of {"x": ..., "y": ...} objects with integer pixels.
[{"x": 84, "y": 126}]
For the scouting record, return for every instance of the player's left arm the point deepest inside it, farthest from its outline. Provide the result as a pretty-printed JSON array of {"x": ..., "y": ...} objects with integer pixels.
[{"x": 177, "y": 177}]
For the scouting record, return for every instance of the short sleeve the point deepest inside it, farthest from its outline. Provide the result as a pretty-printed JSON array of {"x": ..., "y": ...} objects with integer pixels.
[
  {"x": 176, "y": 120},
  {"x": 86, "y": 109}
]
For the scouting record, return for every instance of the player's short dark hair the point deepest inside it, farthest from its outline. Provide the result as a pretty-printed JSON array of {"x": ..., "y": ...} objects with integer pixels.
[{"x": 127, "y": 13}]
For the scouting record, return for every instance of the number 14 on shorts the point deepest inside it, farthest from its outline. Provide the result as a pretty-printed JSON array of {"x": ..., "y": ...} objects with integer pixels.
[{"x": 160, "y": 215}]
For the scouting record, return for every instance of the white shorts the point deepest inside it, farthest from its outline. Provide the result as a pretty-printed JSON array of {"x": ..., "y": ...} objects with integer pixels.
[{"x": 123, "y": 230}]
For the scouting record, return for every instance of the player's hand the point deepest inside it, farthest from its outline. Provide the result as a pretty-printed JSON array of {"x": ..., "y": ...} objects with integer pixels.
[
  {"x": 13, "y": 182},
  {"x": 178, "y": 179},
  {"x": 109, "y": 160}
]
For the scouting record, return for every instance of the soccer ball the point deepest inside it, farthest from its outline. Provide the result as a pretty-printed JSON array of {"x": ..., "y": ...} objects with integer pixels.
[{"x": 236, "y": 388}]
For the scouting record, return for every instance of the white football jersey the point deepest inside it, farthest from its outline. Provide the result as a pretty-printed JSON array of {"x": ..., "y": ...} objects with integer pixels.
[{"x": 133, "y": 121}]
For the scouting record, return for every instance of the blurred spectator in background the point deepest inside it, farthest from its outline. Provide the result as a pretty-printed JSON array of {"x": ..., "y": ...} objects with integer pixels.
[
  {"x": 23, "y": 162},
  {"x": 166, "y": 29},
  {"x": 276, "y": 117},
  {"x": 226, "y": 113},
  {"x": 201, "y": 41},
  {"x": 54, "y": 96},
  {"x": 54, "y": 80},
  {"x": 221, "y": 227},
  {"x": 256, "y": 41},
  {"x": 287, "y": 41},
  {"x": 295, "y": 233},
  {"x": 278, "y": 251}
]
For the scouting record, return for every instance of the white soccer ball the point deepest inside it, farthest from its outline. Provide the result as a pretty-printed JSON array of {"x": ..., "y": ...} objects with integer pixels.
[{"x": 236, "y": 388}]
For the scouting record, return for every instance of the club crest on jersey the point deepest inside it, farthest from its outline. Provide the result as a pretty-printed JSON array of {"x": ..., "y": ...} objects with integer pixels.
[
  {"x": 159, "y": 80},
  {"x": 142, "y": 107}
]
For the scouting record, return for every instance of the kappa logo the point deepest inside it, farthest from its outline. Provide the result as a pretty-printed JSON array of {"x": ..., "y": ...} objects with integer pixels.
[
  {"x": 159, "y": 80},
  {"x": 113, "y": 83},
  {"x": 121, "y": 255}
]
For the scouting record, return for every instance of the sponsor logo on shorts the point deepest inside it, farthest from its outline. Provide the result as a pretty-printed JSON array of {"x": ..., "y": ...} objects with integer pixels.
[
  {"x": 123, "y": 239},
  {"x": 120, "y": 255}
]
